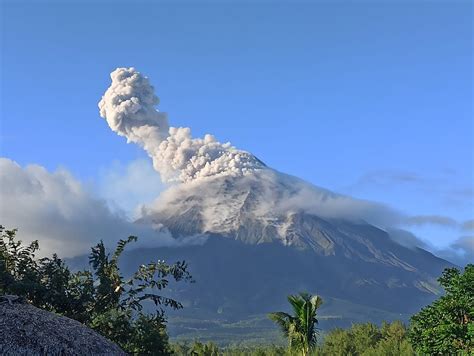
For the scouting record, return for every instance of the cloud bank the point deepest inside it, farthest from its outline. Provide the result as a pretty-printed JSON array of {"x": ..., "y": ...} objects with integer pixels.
[
  {"x": 461, "y": 251},
  {"x": 267, "y": 195},
  {"x": 418, "y": 220},
  {"x": 128, "y": 106},
  {"x": 57, "y": 210}
]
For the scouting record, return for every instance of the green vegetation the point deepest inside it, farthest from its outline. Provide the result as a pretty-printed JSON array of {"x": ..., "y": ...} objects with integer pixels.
[
  {"x": 104, "y": 300},
  {"x": 447, "y": 325},
  {"x": 258, "y": 329},
  {"x": 367, "y": 339},
  {"x": 210, "y": 349},
  {"x": 100, "y": 298},
  {"x": 391, "y": 339},
  {"x": 300, "y": 328}
]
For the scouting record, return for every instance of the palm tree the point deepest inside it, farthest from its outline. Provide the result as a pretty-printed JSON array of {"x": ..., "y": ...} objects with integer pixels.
[{"x": 300, "y": 328}]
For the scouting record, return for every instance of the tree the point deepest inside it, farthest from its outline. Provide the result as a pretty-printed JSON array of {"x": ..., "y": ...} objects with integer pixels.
[
  {"x": 364, "y": 336},
  {"x": 102, "y": 298},
  {"x": 447, "y": 325},
  {"x": 113, "y": 291},
  {"x": 338, "y": 342},
  {"x": 47, "y": 282},
  {"x": 368, "y": 340},
  {"x": 201, "y": 349},
  {"x": 300, "y": 328}
]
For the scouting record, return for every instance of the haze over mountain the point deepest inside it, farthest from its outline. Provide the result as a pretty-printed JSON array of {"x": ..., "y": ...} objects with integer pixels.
[{"x": 262, "y": 234}]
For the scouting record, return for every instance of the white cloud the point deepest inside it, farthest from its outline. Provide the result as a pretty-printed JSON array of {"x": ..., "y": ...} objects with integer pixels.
[
  {"x": 461, "y": 251},
  {"x": 57, "y": 210},
  {"x": 265, "y": 195},
  {"x": 128, "y": 187}
]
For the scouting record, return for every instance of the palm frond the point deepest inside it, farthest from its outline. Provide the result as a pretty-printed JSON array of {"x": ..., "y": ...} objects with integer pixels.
[
  {"x": 283, "y": 320},
  {"x": 297, "y": 304}
]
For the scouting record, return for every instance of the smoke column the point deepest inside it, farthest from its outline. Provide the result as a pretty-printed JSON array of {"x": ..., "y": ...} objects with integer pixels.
[{"x": 128, "y": 106}]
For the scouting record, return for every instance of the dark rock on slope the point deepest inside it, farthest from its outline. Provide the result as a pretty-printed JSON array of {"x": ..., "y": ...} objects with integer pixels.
[{"x": 27, "y": 330}]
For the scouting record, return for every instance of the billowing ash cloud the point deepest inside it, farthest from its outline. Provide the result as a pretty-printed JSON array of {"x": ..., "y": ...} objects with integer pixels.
[
  {"x": 128, "y": 105},
  {"x": 206, "y": 166}
]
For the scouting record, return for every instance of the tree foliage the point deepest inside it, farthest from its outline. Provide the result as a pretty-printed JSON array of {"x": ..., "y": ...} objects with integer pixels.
[
  {"x": 101, "y": 297},
  {"x": 447, "y": 325},
  {"x": 300, "y": 328},
  {"x": 198, "y": 348},
  {"x": 391, "y": 339},
  {"x": 368, "y": 340}
]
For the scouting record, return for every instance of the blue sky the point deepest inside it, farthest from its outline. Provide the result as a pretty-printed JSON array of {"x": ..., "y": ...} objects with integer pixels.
[{"x": 372, "y": 99}]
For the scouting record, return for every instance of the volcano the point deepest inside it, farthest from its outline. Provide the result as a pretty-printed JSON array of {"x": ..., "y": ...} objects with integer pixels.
[
  {"x": 263, "y": 234},
  {"x": 269, "y": 235}
]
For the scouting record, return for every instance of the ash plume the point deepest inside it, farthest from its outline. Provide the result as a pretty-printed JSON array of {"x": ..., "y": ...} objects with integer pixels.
[
  {"x": 218, "y": 203},
  {"x": 128, "y": 106}
]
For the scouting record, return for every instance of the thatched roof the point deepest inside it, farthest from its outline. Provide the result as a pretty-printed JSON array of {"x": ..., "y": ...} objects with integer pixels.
[{"x": 27, "y": 330}]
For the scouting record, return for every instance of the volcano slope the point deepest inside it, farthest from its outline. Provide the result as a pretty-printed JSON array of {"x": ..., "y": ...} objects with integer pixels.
[{"x": 269, "y": 235}]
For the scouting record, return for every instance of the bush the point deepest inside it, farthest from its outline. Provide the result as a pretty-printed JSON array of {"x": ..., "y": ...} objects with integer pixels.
[
  {"x": 101, "y": 299},
  {"x": 447, "y": 325}
]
